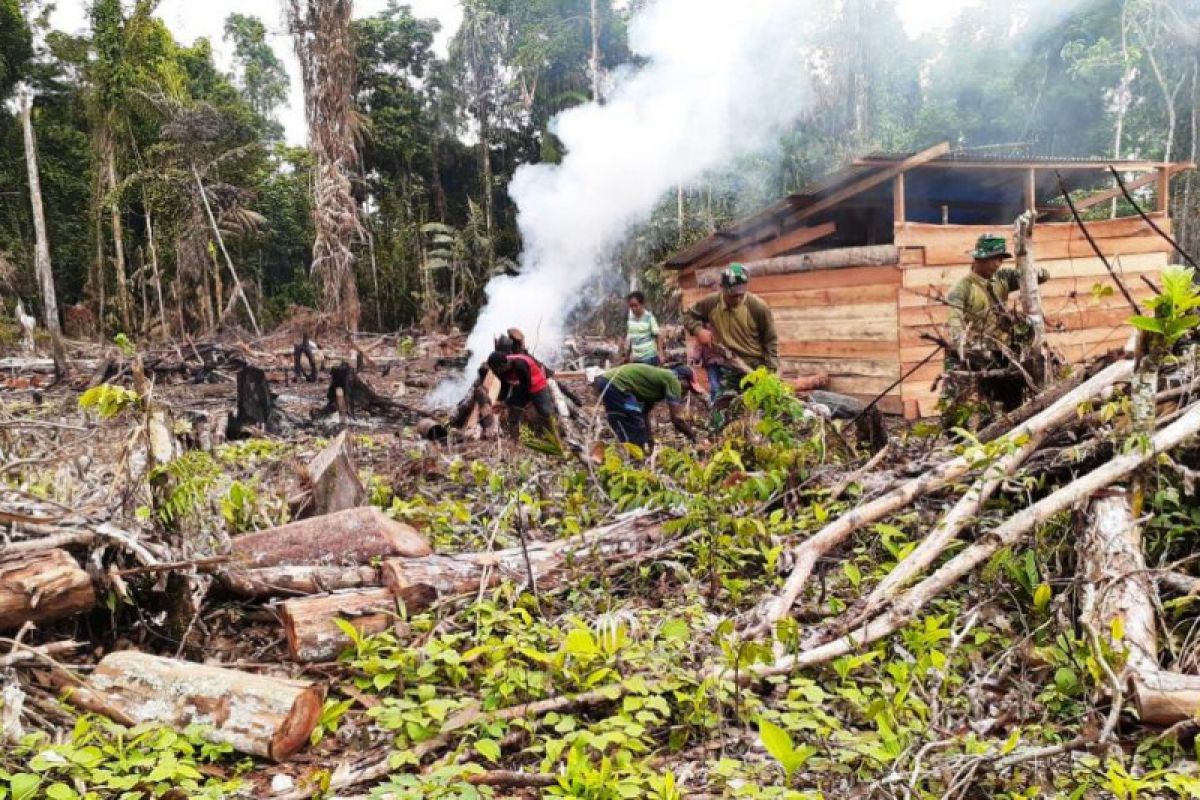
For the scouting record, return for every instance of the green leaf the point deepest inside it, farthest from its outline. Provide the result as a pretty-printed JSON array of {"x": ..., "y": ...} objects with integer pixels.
[
  {"x": 23, "y": 785},
  {"x": 489, "y": 749},
  {"x": 1041, "y": 597},
  {"x": 776, "y": 740},
  {"x": 853, "y": 573},
  {"x": 1066, "y": 681},
  {"x": 1148, "y": 324}
]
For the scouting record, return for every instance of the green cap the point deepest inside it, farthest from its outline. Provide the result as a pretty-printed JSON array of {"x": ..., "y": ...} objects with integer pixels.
[
  {"x": 734, "y": 277},
  {"x": 991, "y": 246}
]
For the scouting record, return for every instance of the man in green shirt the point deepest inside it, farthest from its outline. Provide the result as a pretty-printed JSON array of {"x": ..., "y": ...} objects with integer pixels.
[
  {"x": 630, "y": 392},
  {"x": 736, "y": 322},
  {"x": 981, "y": 326}
]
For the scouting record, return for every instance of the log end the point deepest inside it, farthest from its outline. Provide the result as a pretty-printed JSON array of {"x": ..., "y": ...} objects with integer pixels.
[
  {"x": 299, "y": 724},
  {"x": 406, "y": 541}
]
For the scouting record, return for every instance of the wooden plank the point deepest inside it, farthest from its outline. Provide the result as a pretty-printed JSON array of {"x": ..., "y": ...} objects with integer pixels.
[
  {"x": 831, "y": 297},
  {"x": 898, "y": 210},
  {"x": 884, "y": 330},
  {"x": 1031, "y": 189},
  {"x": 871, "y": 181},
  {"x": 686, "y": 279},
  {"x": 1056, "y": 290},
  {"x": 1109, "y": 194},
  {"x": 1132, "y": 245},
  {"x": 845, "y": 367},
  {"x": 924, "y": 234},
  {"x": 839, "y": 348},
  {"x": 1162, "y": 197},
  {"x": 1130, "y": 265},
  {"x": 1018, "y": 164},
  {"x": 828, "y": 279},
  {"x": 880, "y": 255},
  {"x": 852, "y": 314},
  {"x": 1065, "y": 317}
]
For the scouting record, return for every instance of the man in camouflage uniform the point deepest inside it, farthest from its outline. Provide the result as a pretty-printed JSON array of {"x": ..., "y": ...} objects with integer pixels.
[{"x": 981, "y": 329}]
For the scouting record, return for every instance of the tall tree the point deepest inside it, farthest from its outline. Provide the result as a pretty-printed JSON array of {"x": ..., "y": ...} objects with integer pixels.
[
  {"x": 263, "y": 81},
  {"x": 321, "y": 33},
  {"x": 42, "y": 249}
]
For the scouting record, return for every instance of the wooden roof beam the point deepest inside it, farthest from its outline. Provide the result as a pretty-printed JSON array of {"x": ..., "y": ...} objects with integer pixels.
[
  {"x": 871, "y": 181},
  {"x": 1110, "y": 194},
  {"x": 1124, "y": 166}
]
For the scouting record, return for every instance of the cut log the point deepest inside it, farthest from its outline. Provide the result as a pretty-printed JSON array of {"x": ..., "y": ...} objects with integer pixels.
[
  {"x": 419, "y": 582},
  {"x": 354, "y": 536},
  {"x": 255, "y": 714},
  {"x": 882, "y": 255},
  {"x": 291, "y": 581},
  {"x": 42, "y": 587},
  {"x": 334, "y": 480},
  {"x": 1117, "y": 586},
  {"x": 312, "y": 634}
]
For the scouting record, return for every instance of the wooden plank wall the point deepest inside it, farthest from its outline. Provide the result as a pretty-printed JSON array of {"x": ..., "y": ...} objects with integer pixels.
[
  {"x": 1082, "y": 324},
  {"x": 843, "y": 322}
]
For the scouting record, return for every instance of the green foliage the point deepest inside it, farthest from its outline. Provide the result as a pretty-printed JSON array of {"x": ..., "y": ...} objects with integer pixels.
[
  {"x": 102, "y": 759},
  {"x": 1173, "y": 307},
  {"x": 187, "y": 481},
  {"x": 107, "y": 400},
  {"x": 125, "y": 345},
  {"x": 16, "y": 45},
  {"x": 781, "y": 747}
]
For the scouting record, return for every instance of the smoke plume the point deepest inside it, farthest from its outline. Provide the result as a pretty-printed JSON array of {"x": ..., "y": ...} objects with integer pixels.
[{"x": 719, "y": 80}]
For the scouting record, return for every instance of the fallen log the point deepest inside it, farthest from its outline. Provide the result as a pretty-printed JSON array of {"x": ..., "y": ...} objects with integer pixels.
[
  {"x": 1117, "y": 586},
  {"x": 255, "y": 714},
  {"x": 353, "y": 536},
  {"x": 807, "y": 553},
  {"x": 298, "y": 580},
  {"x": 545, "y": 563},
  {"x": 310, "y": 627},
  {"x": 42, "y": 587},
  {"x": 880, "y": 255},
  {"x": 419, "y": 582},
  {"x": 333, "y": 480}
]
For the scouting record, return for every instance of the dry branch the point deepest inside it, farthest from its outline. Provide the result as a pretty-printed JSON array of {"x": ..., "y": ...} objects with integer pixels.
[
  {"x": 836, "y": 532},
  {"x": 1009, "y": 533}
]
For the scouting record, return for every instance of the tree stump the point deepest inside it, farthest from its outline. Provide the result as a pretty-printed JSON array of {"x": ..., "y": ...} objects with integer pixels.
[
  {"x": 255, "y": 406},
  {"x": 333, "y": 479},
  {"x": 255, "y": 714}
]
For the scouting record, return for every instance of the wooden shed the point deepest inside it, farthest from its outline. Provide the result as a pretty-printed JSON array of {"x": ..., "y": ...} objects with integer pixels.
[{"x": 857, "y": 266}]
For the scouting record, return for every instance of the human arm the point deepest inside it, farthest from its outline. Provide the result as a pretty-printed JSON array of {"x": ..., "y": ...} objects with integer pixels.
[{"x": 696, "y": 317}]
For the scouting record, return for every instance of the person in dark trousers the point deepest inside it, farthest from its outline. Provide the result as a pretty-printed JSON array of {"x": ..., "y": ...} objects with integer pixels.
[
  {"x": 523, "y": 385},
  {"x": 630, "y": 392}
]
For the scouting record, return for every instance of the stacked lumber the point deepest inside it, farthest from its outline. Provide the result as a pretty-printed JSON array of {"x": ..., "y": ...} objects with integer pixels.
[{"x": 1082, "y": 323}]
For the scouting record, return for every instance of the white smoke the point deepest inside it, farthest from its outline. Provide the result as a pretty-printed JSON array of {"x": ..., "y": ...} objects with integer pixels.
[{"x": 720, "y": 80}]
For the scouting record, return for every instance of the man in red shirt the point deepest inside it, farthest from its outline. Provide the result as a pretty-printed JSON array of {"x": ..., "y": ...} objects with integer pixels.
[{"x": 523, "y": 384}]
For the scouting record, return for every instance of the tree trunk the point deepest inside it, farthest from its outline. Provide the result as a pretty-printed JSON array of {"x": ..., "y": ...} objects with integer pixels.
[
  {"x": 42, "y": 587},
  {"x": 313, "y": 635},
  {"x": 237, "y": 282},
  {"x": 595, "y": 59},
  {"x": 291, "y": 581},
  {"x": 118, "y": 234},
  {"x": 158, "y": 291},
  {"x": 1031, "y": 296},
  {"x": 545, "y": 562},
  {"x": 42, "y": 253},
  {"x": 255, "y": 714},
  {"x": 354, "y": 536},
  {"x": 334, "y": 480}
]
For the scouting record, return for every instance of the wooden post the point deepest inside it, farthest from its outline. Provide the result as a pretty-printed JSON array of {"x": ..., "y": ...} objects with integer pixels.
[
  {"x": 1031, "y": 191},
  {"x": 898, "y": 199},
  {"x": 1163, "y": 203}
]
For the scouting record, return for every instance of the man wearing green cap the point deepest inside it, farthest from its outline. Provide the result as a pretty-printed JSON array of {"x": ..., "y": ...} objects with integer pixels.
[
  {"x": 980, "y": 325},
  {"x": 735, "y": 330}
]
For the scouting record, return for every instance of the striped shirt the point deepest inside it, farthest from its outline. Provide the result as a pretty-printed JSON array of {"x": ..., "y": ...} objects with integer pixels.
[{"x": 642, "y": 333}]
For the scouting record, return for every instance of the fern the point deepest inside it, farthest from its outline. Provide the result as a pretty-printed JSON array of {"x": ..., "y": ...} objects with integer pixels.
[{"x": 190, "y": 478}]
